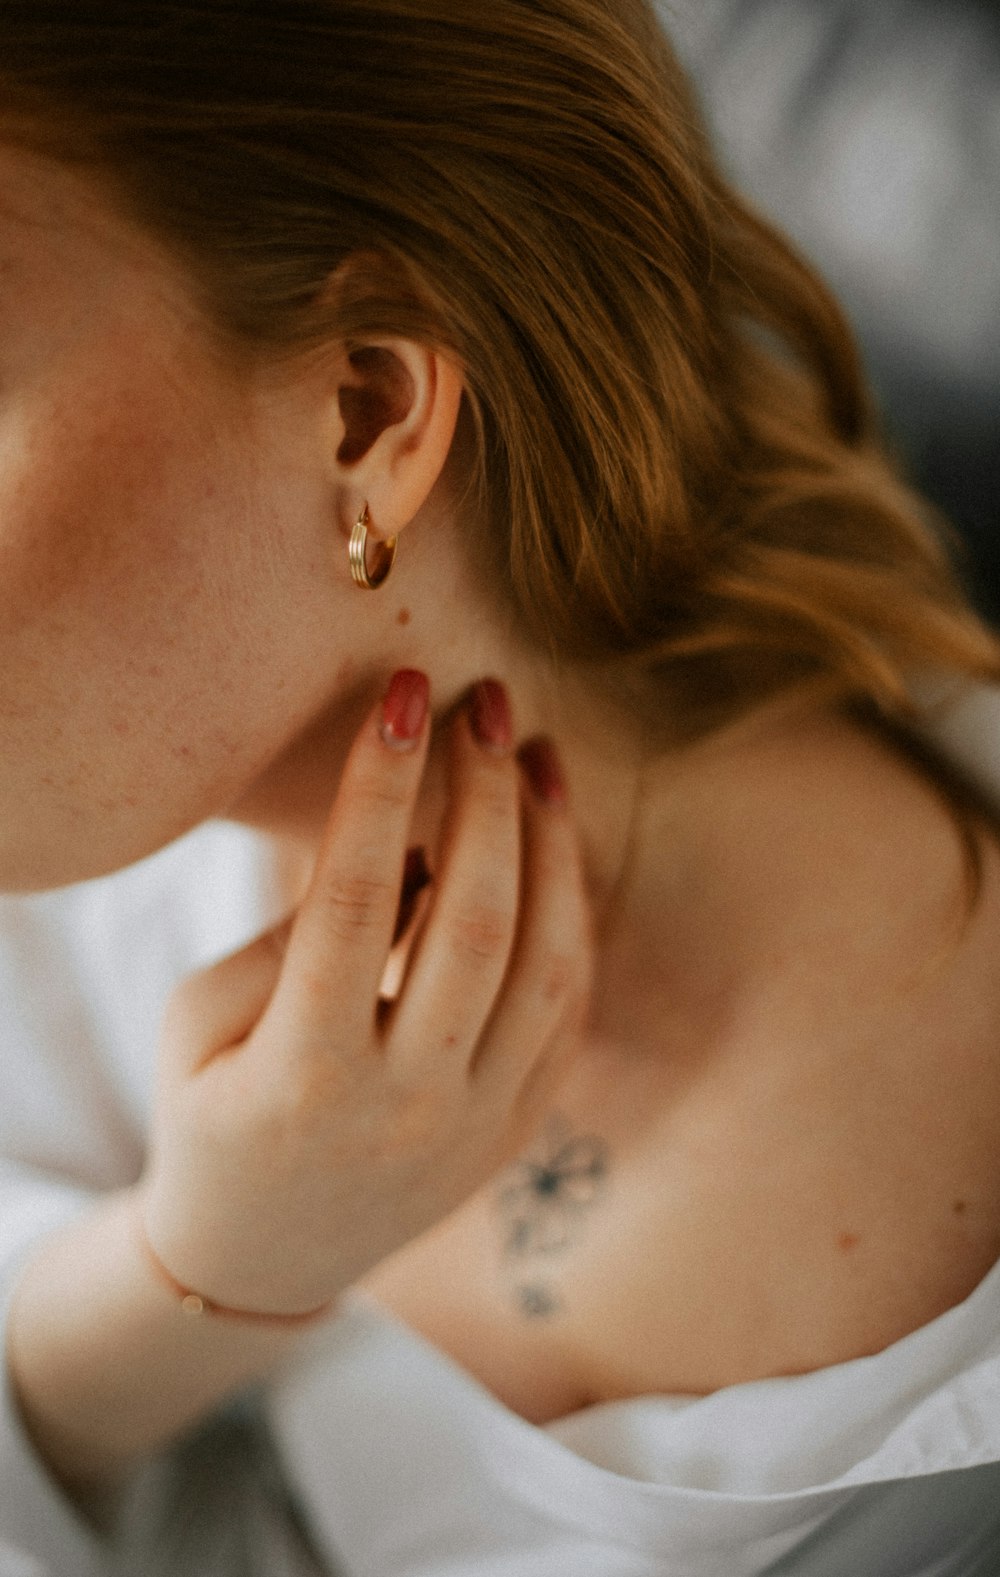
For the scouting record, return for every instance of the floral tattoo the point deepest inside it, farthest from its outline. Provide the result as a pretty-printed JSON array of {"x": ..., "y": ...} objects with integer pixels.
[{"x": 542, "y": 1200}]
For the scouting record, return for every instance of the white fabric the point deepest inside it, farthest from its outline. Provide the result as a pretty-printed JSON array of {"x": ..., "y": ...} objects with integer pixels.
[
  {"x": 400, "y": 1464},
  {"x": 84, "y": 976},
  {"x": 410, "y": 1468}
]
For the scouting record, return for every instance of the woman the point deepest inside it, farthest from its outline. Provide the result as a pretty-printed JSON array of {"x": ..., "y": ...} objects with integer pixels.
[{"x": 678, "y": 1081}]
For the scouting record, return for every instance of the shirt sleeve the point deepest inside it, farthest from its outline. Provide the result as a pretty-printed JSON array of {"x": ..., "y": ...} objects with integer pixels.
[
  {"x": 42, "y": 1533},
  {"x": 66, "y": 1135},
  {"x": 85, "y": 973}
]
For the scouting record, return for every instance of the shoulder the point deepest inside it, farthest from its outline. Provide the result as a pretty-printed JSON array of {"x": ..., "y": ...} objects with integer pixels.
[
  {"x": 795, "y": 1181},
  {"x": 832, "y": 858},
  {"x": 822, "y": 1180}
]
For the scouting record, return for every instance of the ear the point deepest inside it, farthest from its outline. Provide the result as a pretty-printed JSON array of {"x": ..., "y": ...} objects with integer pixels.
[{"x": 397, "y": 409}]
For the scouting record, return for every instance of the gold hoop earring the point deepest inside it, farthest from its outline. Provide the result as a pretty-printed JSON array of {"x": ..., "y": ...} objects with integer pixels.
[{"x": 358, "y": 551}]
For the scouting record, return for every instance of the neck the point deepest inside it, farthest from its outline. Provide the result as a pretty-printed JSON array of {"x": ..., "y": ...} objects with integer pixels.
[
  {"x": 617, "y": 794},
  {"x": 606, "y": 774},
  {"x": 644, "y": 833}
]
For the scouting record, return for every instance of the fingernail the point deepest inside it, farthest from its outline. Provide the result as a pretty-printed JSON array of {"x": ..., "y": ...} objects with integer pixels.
[
  {"x": 405, "y": 708},
  {"x": 541, "y": 763},
  {"x": 489, "y": 709}
]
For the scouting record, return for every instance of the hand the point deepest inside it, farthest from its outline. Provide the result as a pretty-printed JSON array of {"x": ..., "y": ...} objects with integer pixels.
[{"x": 302, "y": 1130}]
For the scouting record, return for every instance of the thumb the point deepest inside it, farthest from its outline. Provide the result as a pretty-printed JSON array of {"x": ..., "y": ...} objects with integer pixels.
[{"x": 216, "y": 1007}]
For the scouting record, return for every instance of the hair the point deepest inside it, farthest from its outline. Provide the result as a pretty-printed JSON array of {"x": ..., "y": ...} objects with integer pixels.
[{"x": 682, "y": 479}]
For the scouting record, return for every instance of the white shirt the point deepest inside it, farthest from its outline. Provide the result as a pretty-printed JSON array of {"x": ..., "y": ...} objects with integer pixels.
[{"x": 371, "y": 1453}]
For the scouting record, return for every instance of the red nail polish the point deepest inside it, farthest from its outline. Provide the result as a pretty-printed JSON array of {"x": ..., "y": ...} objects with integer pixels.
[
  {"x": 489, "y": 710},
  {"x": 405, "y": 708},
  {"x": 541, "y": 763}
]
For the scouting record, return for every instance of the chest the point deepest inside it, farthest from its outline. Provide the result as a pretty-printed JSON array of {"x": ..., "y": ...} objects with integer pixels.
[
  {"x": 808, "y": 1180},
  {"x": 756, "y": 1222}
]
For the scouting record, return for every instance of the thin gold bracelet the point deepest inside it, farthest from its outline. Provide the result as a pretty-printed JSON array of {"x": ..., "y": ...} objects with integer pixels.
[{"x": 195, "y": 1303}]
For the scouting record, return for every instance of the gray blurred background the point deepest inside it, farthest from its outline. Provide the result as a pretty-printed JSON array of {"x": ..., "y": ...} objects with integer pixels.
[{"x": 870, "y": 131}]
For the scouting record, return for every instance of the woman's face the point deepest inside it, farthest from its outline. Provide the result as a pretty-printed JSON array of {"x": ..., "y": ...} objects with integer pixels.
[{"x": 169, "y": 557}]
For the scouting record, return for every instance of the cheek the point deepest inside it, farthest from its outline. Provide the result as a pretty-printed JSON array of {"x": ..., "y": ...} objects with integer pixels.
[
  {"x": 140, "y": 663},
  {"x": 109, "y": 536}
]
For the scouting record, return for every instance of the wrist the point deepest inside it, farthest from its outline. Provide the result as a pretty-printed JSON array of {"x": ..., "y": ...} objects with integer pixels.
[
  {"x": 104, "y": 1367},
  {"x": 197, "y": 1305}
]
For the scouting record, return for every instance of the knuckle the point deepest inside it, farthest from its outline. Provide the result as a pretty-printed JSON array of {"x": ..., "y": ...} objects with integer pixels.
[
  {"x": 481, "y": 932},
  {"x": 383, "y": 792},
  {"x": 357, "y": 903}
]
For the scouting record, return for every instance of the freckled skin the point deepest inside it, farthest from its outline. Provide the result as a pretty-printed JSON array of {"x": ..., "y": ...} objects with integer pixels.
[
  {"x": 180, "y": 636},
  {"x": 151, "y": 550}
]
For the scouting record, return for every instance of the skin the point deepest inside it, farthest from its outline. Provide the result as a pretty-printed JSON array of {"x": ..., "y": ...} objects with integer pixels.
[
  {"x": 176, "y": 603},
  {"x": 180, "y": 638}
]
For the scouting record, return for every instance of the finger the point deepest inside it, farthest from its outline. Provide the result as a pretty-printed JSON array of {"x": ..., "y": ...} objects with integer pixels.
[
  {"x": 217, "y": 1007},
  {"x": 344, "y": 928},
  {"x": 461, "y": 955},
  {"x": 536, "y": 1024}
]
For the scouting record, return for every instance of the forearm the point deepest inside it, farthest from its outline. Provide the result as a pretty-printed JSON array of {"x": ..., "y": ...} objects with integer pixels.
[{"x": 106, "y": 1366}]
